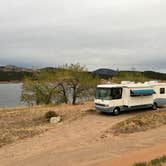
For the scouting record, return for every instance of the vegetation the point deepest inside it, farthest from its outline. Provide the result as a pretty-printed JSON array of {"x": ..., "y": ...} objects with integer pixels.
[
  {"x": 14, "y": 76},
  {"x": 50, "y": 114},
  {"x": 14, "y": 73},
  {"x": 130, "y": 76},
  {"x": 20, "y": 124},
  {"x": 24, "y": 122},
  {"x": 155, "y": 75},
  {"x": 63, "y": 85},
  {"x": 138, "y": 76},
  {"x": 141, "y": 122},
  {"x": 155, "y": 162}
]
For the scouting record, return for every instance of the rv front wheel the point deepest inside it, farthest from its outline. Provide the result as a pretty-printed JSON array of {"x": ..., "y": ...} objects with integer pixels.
[
  {"x": 154, "y": 106},
  {"x": 116, "y": 111}
]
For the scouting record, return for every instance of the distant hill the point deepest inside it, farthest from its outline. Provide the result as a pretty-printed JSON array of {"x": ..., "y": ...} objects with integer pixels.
[
  {"x": 139, "y": 76},
  {"x": 104, "y": 73},
  {"x": 155, "y": 75},
  {"x": 145, "y": 75},
  {"x": 14, "y": 69},
  {"x": 47, "y": 69},
  {"x": 11, "y": 73}
]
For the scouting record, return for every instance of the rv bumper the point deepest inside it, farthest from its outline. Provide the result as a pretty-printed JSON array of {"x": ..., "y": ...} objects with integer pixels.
[
  {"x": 160, "y": 102},
  {"x": 104, "y": 109}
]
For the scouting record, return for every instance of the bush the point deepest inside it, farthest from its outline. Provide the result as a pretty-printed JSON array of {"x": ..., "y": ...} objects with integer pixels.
[
  {"x": 141, "y": 122},
  {"x": 163, "y": 158},
  {"x": 50, "y": 114},
  {"x": 140, "y": 164},
  {"x": 155, "y": 162}
]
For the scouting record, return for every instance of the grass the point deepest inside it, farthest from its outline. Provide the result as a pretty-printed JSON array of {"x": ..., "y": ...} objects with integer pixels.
[
  {"x": 24, "y": 122},
  {"x": 155, "y": 162},
  {"x": 141, "y": 122},
  {"x": 130, "y": 76},
  {"x": 21, "y": 123}
]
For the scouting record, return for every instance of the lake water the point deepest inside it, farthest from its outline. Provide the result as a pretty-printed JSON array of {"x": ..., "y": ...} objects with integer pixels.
[{"x": 10, "y": 95}]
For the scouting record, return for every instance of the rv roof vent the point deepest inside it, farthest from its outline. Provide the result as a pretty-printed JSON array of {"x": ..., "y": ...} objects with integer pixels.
[
  {"x": 132, "y": 82},
  {"x": 125, "y": 82},
  {"x": 146, "y": 82},
  {"x": 153, "y": 82}
]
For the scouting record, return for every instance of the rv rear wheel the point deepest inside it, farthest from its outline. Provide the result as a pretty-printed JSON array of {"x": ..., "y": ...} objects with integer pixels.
[
  {"x": 116, "y": 111},
  {"x": 154, "y": 106}
]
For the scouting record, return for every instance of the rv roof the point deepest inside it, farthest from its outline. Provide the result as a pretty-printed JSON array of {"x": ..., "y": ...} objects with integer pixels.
[
  {"x": 109, "y": 85},
  {"x": 123, "y": 85},
  {"x": 133, "y": 85}
]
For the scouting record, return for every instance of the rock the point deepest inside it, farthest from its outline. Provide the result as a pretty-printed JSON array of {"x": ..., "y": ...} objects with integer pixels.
[{"x": 55, "y": 120}]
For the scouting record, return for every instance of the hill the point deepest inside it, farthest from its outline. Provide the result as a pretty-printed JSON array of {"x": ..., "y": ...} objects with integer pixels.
[
  {"x": 105, "y": 73},
  {"x": 155, "y": 75},
  {"x": 139, "y": 76},
  {"x": 13, "y": 73},
  {"x": 10, "y": 68}
]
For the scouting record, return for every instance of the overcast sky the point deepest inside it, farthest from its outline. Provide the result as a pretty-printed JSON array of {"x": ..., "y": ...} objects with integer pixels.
[{"x": 114, "y": 34}]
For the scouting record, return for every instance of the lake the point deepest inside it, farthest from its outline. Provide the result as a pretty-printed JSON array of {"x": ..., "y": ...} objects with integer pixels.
[{"x": 10, "y": 94}]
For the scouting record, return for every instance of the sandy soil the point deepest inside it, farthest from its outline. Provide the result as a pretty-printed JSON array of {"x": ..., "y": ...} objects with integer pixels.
[{"x": 84, "y": 142}]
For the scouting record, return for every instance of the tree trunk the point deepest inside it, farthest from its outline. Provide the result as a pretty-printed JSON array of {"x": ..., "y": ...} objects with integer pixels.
[
  {"x": 48, "y": 100},
  {"x": 64, "y": 93},
  {"x": 74, "y": 95}
]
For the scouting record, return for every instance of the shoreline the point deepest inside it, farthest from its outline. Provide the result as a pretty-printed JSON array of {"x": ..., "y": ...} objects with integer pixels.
[
  {"x": 11, "y": 82},
  {"x": 14, "y": 107}
]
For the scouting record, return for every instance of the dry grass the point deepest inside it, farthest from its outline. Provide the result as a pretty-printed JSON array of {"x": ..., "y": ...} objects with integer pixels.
[
  {"x": 141, "y": 122},
  {"x": 155, "y": 162},
  {"x": 23, "y": 122}
]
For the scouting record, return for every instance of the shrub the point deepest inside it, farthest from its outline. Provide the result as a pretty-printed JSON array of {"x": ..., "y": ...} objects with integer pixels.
[
  {"x": 155, "y": 162},
  {"x": 50, "y": 114},
  {"x": 90, "y": 110},
  {"x": 141, "y": 122},
  {"x": 140, "y": 164},
  {"x": 163, "y": 158}
]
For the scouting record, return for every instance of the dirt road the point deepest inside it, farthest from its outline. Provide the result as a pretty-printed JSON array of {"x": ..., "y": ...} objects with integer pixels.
[{"x": 82, "y": 142}]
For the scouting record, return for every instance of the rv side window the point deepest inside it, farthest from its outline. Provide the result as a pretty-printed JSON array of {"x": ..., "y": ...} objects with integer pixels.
[
  {"x": 108, "y": 93},
  {"x": 162, "y": 90},
  {"x": 116, "y": 93}
]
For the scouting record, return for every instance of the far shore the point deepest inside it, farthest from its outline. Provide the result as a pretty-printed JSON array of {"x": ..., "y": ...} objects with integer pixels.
[
  {"x": 10, "y": 82},
  {"x": 15, "y": 107},
  {"x": 20, "y": 107}
]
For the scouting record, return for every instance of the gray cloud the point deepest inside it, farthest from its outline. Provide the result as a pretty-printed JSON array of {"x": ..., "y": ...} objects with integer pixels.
[{"x": 115, "y": 34}]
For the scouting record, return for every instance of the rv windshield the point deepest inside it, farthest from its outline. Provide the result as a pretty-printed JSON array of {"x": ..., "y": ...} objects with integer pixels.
[{"x": 108, "y": 93}]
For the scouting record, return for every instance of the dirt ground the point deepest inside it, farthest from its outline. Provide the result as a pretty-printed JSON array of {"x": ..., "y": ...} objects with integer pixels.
[{"x": 84, "y": 142}]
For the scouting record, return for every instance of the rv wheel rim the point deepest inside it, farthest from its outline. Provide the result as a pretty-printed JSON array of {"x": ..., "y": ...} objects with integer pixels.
[{"x": 116, "y": 111}]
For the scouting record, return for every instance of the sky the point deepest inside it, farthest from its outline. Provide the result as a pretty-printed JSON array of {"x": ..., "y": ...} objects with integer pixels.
[{"x": 116, "y": 34}]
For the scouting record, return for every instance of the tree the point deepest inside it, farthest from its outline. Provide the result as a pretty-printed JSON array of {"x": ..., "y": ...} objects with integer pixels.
[
  {"x": 37, "y": 92},
  {"x": 79, "y": 81},
  {"x": 41, "y": 90},
  {"x": 65, "y": 84}
]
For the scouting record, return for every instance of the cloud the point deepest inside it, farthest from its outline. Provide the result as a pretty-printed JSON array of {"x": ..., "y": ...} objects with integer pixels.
[{"x": 115, "y": 34}]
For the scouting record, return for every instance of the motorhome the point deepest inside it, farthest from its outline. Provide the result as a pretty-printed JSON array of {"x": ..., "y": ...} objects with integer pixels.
[{"x": 114, "y": 98}]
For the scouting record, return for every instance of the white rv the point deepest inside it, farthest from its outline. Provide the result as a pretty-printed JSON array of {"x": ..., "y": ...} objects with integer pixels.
[{"x": 114, "y": 98}]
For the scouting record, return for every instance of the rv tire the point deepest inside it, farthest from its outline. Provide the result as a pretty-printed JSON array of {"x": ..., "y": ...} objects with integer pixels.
[
  {"x": 154, "y": 106},
  {"x": 116, "y": 111}
]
